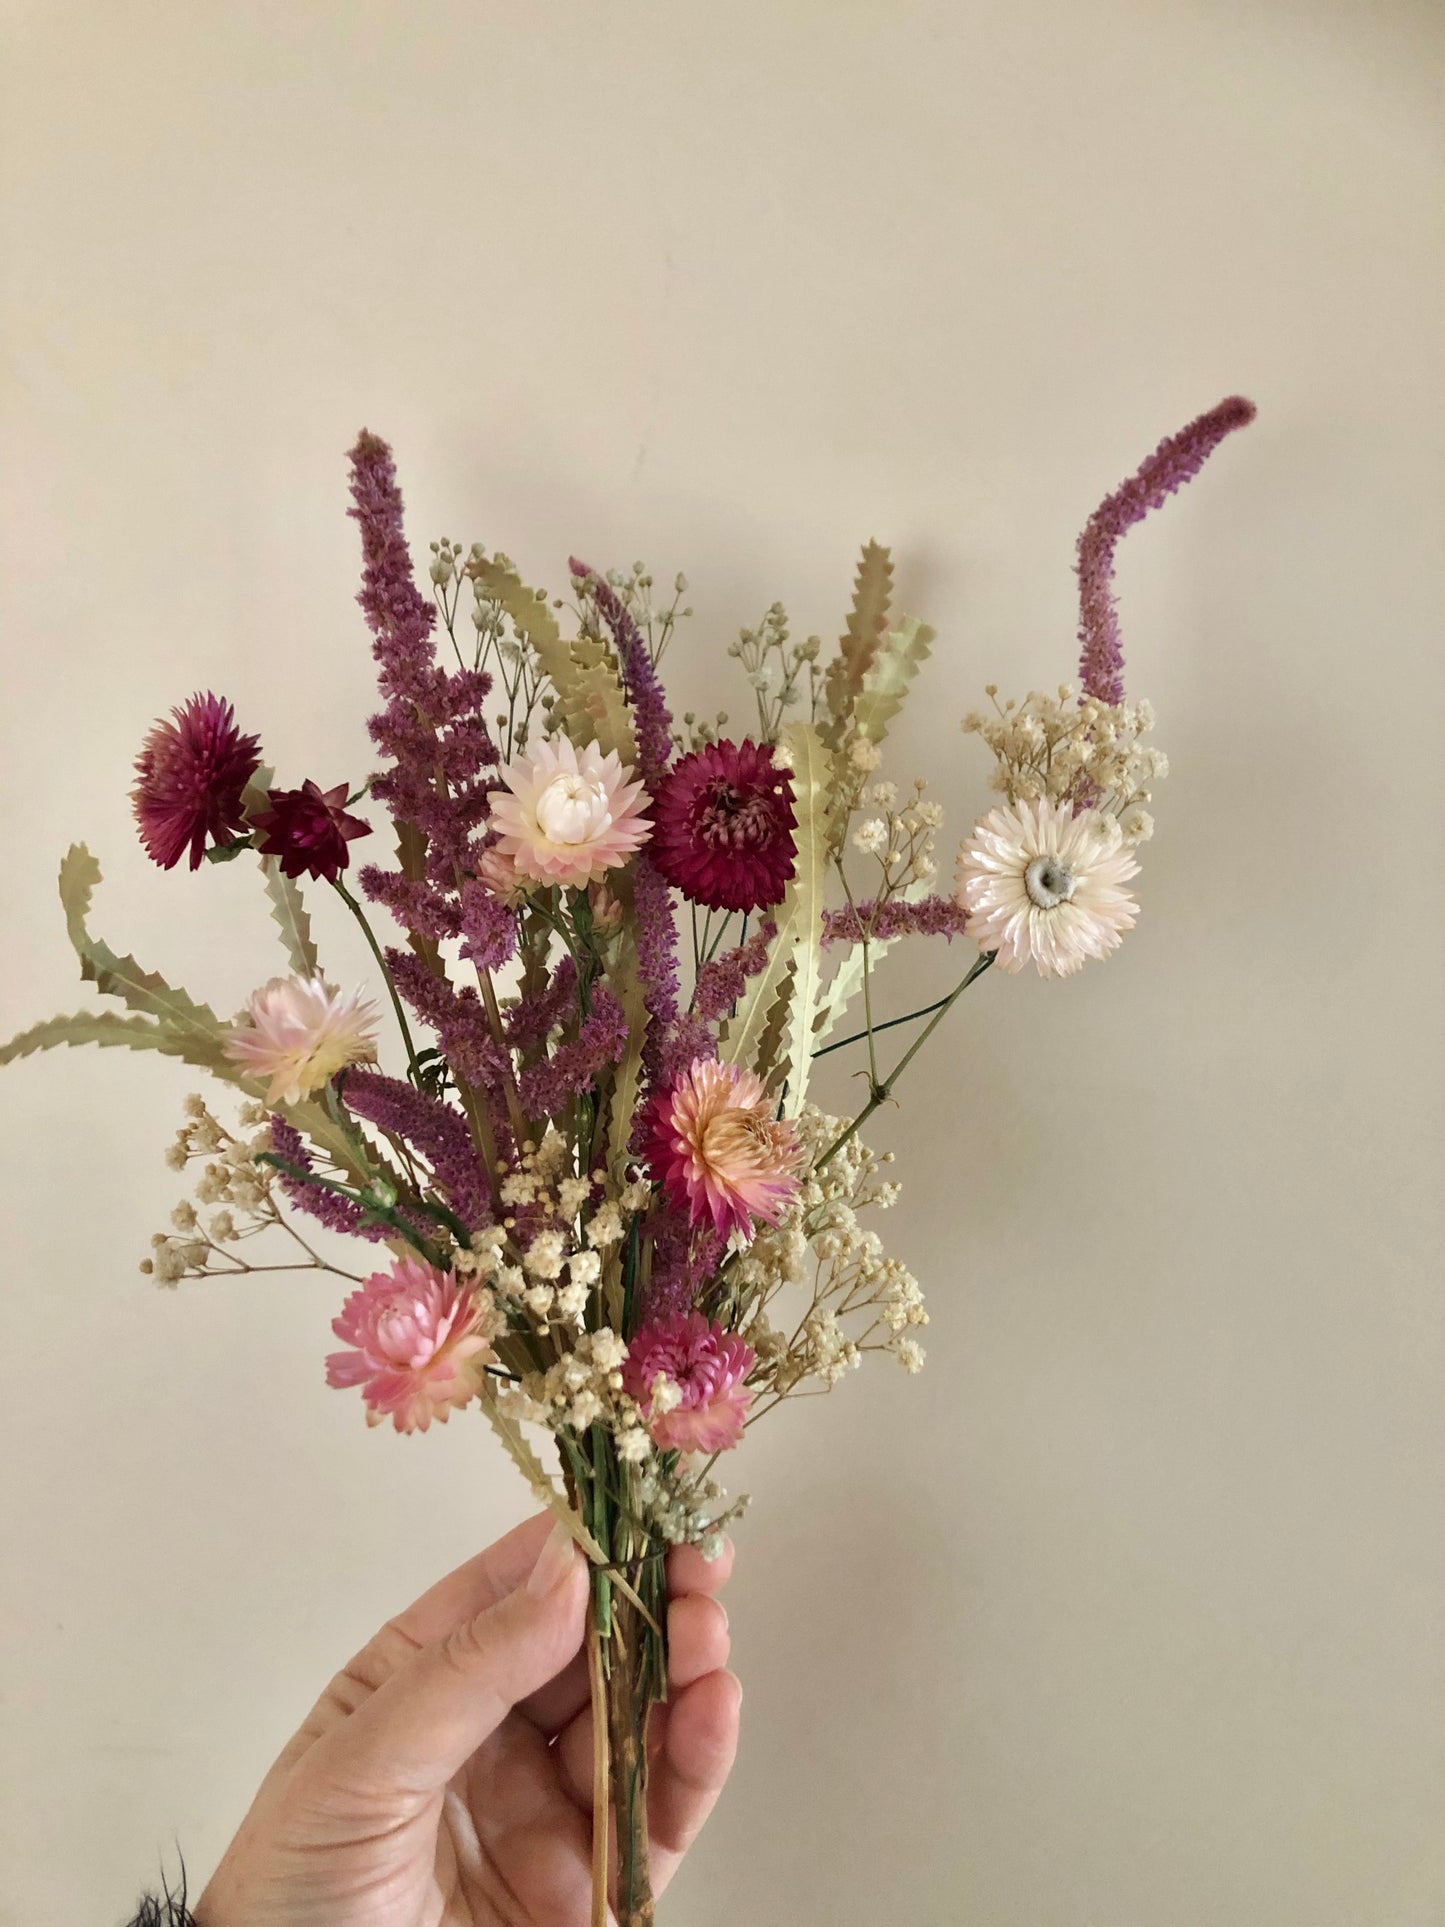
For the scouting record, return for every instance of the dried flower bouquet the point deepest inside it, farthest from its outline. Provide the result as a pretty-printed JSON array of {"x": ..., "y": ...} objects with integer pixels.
[{"x": 605, "y": 1208}]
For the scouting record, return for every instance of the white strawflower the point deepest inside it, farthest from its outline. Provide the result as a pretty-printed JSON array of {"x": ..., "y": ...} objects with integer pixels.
[{"x": 1044, "y": 886}]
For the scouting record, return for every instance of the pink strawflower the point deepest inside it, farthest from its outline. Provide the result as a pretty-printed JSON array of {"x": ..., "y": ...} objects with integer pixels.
[
  {"x": 309, "y": 829},
  {"x": 1042, "y": 885},
  {"x": 567, "y": 815},
  {"x": 190, "y": 775},
  {"x": 419, "y": 1342},
  {"x": 300, "y": 1032},
  {"x": 715, "y": 1143},
  {"x": 687, "y": 1376},
  {"x": 499, "y": 873},
  {"x": 724, "y": 827}
]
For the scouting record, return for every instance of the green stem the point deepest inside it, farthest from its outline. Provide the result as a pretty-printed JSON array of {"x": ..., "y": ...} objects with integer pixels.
[
  {"x": 356, "y": 910},
  {"x": 879, "y": 1094},
  {"x": 878, "y": 1029}
]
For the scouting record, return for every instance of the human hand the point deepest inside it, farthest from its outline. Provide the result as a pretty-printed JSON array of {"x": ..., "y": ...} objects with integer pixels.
[{"x": 444, "y": 1778}]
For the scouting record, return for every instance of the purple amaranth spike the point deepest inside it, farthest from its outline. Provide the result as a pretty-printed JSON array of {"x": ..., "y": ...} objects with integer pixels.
[
  {"x": 680, "y": 1258},
  {"x": 460, "y": 1022},
  {"x": 929, "y": 917},
  {"x": 721, "y": 982},
  {"x": 1173, "y": 463},
  {"x": 327, "y": 1207},
  {"x": 639, "y": 674},
  {"x": 548, "y": 1086},
  {"x": 431, "y": 726},
  {"x": 656, "y": 964},
  {"x": 528, "y": 1023},
  {"x": 489, "y": 928},
  {"x": 432, "y": 1129}
]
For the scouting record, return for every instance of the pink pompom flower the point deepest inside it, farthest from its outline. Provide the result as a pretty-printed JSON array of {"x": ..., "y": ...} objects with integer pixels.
[
  {"x": 687, "y": 1376},
  {"x": 189, "y": 777},
  {"x": 419, "y": 1339},
  {"x": 717, "y": 1147},
  {"x": 567, "y": 815}
]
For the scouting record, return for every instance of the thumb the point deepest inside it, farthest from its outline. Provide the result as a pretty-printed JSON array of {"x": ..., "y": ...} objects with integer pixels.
[{"x": 421, "y": 1727}]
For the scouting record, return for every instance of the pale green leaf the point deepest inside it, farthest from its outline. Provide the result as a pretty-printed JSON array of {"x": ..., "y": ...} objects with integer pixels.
[
  {"x": 812, "y": 779},
  {"x": 288, "y": 913},
  {"x": 198, "y": 1033},
  {"x": 531, "y": 618},
  {"x": 899, "y": 657},
  {"x": 86, "y": 1027},
  {"x": 631, "y": 992},
  {"x": 543, "y": 1487},
  {"x": 742, "y": 1035}
]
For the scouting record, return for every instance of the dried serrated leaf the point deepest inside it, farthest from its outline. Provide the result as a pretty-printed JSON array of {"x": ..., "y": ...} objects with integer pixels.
[
  {"x": 900, "y": 655},
  {"x": 627, "y": 985},
  {"x": 288, "y": 913},
  {"x": 741, "y": 1035},
  {"x": 198, "y": 1033},
  {"x": 594, "y": 706},
  {"x": 867, "y": 621},
  {"x": 531, "y": 618},
  {"x": 85, "y": 1027},
  {"x": 812, "y": 780},
  {"x": 770, "y": 1055},
  {"x": 543, "y": 1487}
]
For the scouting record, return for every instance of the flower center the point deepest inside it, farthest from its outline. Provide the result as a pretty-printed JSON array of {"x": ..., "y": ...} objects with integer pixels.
[
  {"x": 572, "y": 810},
  {"x": 733, "y": 819},
  {"x": 1049, "y": 882},
  {"x": 738, "y": 1137}
]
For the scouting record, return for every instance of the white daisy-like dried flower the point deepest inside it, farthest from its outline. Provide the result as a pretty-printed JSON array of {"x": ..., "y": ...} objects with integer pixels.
[{"x": 1044, "y": 886}]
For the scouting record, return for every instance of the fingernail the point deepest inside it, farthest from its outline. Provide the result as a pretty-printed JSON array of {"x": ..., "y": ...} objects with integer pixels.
[{"x": 554, "y": 1562}]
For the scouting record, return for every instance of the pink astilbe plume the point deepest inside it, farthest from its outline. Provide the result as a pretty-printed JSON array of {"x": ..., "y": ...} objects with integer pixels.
[
  {"x": 702, "y": 1403},
  {"x": 418, "y": 1340},
  {"x": 1175, "y": 462},
  {"x": 189, "y": 777}
]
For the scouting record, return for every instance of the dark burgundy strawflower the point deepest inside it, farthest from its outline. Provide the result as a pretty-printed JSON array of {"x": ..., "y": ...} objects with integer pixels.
[
  {"x": 723, "y": 827},
  {"x": 190, "y": 775},
  {"x": 308, "y": 829}
]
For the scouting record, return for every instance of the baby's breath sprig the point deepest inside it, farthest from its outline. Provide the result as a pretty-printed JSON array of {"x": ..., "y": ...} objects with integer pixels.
[{"x": 238, "y": 1189}]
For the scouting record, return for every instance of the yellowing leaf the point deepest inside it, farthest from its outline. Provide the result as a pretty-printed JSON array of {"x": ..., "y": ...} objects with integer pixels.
[{"x": 867, "y": 620}]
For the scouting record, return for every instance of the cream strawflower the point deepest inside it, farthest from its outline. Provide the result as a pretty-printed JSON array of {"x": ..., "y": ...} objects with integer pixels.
[
  {"x": 567, "y": 815},
  {"x": 301, "y": 1032},
  {"x": 1044, "y": 886}
]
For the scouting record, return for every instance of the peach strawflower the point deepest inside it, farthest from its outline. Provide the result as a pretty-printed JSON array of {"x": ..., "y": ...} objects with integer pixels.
[
  {"x": 687, "y": 1376},
  {"x": 567, "y": 815},
  {"x": 1044, "y": 886},
  {"x": 420, "y": 1340},
  {"x": 718, "y": 1146},
  {"x": 301, "y": 1032}
]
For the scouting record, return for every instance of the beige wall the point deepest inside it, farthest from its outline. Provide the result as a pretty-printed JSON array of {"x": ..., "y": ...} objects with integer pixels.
[{"x": 1130, "y": 1610}]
